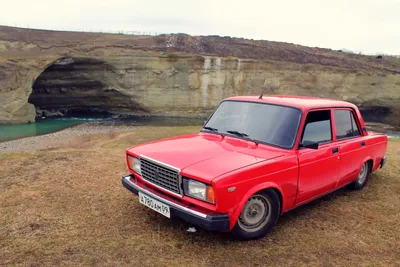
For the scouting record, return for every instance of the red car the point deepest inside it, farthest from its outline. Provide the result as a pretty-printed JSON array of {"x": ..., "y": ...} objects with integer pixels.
[{"x": 254, "y": 159}]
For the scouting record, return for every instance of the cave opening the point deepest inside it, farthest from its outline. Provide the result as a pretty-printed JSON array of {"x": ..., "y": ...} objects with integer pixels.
[{"x": 75, "y": 86}]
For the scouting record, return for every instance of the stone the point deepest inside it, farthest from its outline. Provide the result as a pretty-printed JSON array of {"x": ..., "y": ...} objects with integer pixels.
[{"x": 158, "y": 72}]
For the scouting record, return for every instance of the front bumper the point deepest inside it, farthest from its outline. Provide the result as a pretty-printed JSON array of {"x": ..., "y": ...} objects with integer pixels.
[{"x": 212, "y": 222}]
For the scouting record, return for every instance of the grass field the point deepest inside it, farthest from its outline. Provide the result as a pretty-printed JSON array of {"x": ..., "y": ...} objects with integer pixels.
[{"x": 67, "y": 207}]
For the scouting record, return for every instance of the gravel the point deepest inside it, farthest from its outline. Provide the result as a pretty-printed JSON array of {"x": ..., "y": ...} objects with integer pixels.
[{"x": 60, "y": 138}]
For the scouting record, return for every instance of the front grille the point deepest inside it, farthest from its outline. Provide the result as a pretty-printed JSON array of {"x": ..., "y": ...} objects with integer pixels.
[{"x": 159, "y": 175}]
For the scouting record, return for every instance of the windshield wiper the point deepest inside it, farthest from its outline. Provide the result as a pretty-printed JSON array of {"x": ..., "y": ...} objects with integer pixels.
[
  {"x": 238, "y": 133},
  {"x": 245, "y": 136},
  {"x": 214, "y": 130},
  {"x": 210, "y": 129}
]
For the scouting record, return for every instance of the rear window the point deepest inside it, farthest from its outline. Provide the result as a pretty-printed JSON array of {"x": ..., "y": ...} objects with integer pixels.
[{"x": 345, "y": 124}]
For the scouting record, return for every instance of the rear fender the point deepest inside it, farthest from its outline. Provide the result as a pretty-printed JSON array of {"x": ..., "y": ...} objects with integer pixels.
[{"x": 375, "y": 163}]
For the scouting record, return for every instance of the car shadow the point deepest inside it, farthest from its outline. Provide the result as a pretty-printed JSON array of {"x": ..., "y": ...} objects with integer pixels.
[
  {"x": 196, "y": 235},
  {"x": 284, "y": 221}
]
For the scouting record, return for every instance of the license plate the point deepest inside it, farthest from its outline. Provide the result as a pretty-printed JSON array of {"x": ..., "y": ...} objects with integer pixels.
[{"x": 154, "y": 205}]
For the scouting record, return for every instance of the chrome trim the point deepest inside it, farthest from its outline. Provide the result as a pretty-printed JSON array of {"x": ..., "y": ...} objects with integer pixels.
[
  {"x": 231, "y": 189},
  {"x": 168, "y": 167},
  {"x": 162, "y": 188},
  {"x": 127, "y": 179},
  {"x": 161, "y": 163}
]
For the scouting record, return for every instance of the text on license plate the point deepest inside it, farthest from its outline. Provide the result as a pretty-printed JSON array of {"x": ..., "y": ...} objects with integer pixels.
[{"x": 154, "y": 205}]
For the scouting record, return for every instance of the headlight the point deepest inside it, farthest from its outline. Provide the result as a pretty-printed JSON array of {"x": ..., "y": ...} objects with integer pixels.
[
  {"x": 198, "y": 190},
  {"x": 134, "y": 164}
]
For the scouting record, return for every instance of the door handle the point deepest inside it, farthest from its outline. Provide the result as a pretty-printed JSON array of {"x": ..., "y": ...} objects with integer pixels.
[
  {"x": 335, "y": 150},
  {"x": 362, "y": 143}
]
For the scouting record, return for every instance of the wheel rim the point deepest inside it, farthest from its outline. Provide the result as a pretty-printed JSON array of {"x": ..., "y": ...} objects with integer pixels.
[
  {"x": 255, "y": 214},
  {"x": 362, "y": 176}
]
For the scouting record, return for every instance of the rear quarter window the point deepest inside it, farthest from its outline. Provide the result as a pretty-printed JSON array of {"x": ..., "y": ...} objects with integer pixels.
[{"x": 345, "y": 124}]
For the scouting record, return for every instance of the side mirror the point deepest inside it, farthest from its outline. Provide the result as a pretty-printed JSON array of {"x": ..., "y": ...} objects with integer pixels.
[{"x": 309, "y": 144}]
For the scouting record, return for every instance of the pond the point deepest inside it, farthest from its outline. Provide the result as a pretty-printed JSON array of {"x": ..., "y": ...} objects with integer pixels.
[{"x": 10, "y": 132}]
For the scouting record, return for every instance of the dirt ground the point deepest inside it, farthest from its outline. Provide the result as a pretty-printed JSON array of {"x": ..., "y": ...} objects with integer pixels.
[{"x": 66, "y": 206}]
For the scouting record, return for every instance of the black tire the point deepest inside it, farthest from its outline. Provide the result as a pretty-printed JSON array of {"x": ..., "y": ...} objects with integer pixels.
[
  {"x": 362, "y": 178},
  {"x": 244, "y": 229}
]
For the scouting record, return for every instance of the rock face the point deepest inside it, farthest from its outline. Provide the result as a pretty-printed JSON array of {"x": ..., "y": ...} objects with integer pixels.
[
  {"x": 179, "y": 75},
  {"x": 81, "y": 84}
]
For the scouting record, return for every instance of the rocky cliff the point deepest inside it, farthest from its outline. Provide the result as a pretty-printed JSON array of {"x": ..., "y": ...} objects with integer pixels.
[{"x": 179, "y": 75}]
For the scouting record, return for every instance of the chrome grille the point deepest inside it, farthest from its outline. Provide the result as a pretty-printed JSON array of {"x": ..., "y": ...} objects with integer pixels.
[{"x": 160, "y": 175}]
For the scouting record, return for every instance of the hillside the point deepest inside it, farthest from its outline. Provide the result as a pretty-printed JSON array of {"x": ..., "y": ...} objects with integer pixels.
[
  {"x": 192, "y": 73},
  {"x": 202, "y": 45}
]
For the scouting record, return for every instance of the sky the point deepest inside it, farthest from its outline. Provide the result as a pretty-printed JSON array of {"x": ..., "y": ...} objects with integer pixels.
[{"x": 366, "y": 26}]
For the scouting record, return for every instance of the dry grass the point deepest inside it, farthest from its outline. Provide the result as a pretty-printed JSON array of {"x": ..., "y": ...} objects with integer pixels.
[{"x": 67, "y": 207}]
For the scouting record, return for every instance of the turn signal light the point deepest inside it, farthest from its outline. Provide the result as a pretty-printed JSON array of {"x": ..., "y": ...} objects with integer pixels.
[{"x": 210, "y": 194}]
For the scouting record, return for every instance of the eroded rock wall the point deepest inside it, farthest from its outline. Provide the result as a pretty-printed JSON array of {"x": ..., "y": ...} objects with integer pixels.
[
  {"x": 182, "y": 84},
  {"x": 175, "y": 83}
]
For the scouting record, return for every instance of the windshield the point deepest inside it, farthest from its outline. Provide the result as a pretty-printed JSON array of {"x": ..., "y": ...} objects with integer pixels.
[{"x": 265, "y": 123}]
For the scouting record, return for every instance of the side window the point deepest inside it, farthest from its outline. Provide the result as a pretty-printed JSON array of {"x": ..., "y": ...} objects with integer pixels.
[
  {"x": 345, "y": 124},
  {"x": 318, "y": 127}
]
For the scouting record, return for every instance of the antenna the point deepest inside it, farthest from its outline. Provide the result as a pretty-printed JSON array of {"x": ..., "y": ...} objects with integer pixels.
[{"x": 262, "y": 93}]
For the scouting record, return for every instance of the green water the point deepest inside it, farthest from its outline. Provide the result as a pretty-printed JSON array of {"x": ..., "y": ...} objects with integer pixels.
[{"x": 9, "y": 132}]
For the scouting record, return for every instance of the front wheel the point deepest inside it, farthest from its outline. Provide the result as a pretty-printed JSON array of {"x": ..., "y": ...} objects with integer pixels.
[{"x": 259, "y": 215}]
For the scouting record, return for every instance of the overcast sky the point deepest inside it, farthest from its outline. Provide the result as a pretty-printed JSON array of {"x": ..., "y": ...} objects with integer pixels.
[{"x": 370, "y": 26}]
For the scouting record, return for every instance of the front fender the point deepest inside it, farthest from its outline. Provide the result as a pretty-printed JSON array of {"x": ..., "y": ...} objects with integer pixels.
[{"x": 238, "y": 208}]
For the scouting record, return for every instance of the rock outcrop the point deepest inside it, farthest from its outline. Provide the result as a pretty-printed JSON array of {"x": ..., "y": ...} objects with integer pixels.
[{"x": 179, "y": 75}]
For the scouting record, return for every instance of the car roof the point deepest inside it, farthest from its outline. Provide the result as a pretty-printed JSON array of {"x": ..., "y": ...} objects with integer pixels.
[{"x": 302, "y": 102}]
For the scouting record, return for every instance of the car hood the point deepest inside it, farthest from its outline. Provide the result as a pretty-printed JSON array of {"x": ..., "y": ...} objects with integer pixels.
[{"x": 205, "y": 156}]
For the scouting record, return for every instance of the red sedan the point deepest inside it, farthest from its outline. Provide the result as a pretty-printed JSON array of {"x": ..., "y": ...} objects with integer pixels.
[{"x": 254, "y": 159}]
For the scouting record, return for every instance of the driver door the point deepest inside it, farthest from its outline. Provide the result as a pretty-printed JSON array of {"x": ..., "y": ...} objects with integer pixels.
[{"x": 318, "y": 168}]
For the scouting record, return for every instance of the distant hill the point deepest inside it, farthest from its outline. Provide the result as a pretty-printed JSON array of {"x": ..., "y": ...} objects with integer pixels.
[{"x": 204, "y": 45}]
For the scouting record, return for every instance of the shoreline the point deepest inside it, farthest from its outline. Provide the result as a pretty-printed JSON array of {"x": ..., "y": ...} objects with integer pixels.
[
  {"x": 63, "y": 137},
  {"x": 59, "y": 138},
  {"x": 121, "y": 122}
]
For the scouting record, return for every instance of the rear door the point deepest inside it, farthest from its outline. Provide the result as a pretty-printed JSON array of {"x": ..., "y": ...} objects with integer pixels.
[
  {"x": 351, "y": 144},
  {"x": 318, "y": 168}
]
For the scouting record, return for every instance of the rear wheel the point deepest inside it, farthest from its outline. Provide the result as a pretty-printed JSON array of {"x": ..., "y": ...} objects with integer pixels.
[
  {"x": 362, "y": 177},
  {"x": 258, "y": 216}
]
